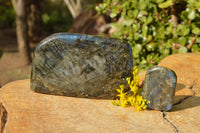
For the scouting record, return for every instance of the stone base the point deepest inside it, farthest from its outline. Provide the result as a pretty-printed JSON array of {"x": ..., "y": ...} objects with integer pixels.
[{"x": 24, "y": 111}]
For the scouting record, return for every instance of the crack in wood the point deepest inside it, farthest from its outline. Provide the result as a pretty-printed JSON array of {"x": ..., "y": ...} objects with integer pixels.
[
  {"x": 168, "y": 121},
  {"x": 194, "y": 93},
  {"x": 179, "y": 102},
  {"x": 4, "y": 116}
]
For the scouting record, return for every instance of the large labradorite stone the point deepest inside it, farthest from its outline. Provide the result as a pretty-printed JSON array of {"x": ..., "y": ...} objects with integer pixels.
[
  {"x": 159, "y": 88},
  {"x": 80, "y": 65}
]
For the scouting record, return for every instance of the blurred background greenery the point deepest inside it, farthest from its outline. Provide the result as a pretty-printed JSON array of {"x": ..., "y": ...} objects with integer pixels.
[
  {"x": 42, "y": 19},
  {"x": 154, "y": 28},
  {"x": 55, "y": 15}
]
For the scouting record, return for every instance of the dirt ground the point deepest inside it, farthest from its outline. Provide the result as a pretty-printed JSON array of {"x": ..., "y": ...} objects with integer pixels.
[{"x": 10, "y": 63}]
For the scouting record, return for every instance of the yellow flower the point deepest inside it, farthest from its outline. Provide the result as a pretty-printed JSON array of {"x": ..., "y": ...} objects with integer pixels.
[
  {"x": 135, "y": 98},
  {"x": 121, "y": 93},
  {"x": 129, "y": 80}
]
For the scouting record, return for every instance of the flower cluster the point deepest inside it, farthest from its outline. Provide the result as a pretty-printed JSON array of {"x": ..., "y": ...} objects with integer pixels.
[{"x": 134, "y": 96}]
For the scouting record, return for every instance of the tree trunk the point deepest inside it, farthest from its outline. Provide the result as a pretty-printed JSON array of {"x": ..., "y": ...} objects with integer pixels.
[
  {"x": 174, "y": 15},
  {"x": 74, "y": 6},
  {"x": 34, "y": 21},
  {"x": 22, "y": 30}
]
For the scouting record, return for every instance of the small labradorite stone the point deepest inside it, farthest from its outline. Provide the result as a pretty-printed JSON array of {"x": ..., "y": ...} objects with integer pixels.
[
  {"x": 159, "y": 88},
  {"x": 80, "y": 65}
]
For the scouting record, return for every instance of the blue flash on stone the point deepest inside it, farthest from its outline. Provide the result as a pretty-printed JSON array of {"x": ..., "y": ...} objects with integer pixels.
[
  {"x": 80, "y": 65},
  {"x": 159, "y": 87}
]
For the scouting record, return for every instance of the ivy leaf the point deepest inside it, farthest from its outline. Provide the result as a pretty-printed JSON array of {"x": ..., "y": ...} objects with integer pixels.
[
  {"x": 191, "y": 15},
  {"x": 165, "y": 4}
]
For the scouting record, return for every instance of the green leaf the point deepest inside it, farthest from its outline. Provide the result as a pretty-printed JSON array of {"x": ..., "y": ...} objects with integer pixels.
[
  {"x": 149, "y": 47},
  {"x": 142, "y": 5},
  {"x": 149, "y": 19},
  {"x": 103, "y": 5},
  {"x": 128, "y": 22},
  {"x": 195, "y": 30},
  {"x": 143, "y": 61},
  {"x": 159, "y": 1},
  {"x": 175, "y": 39},
  {"x": 166, "y": 52},
  {"x": 149, "y": 38},
  {"x": 191, "y": 15},
  {"x": 182, "y": 30},
  {"x": 195, "y": 48},
  {"x": 184, "y": 15},
  {"x": 136, "y": 26},
  {"x": 161, "y": 32},
  {"x": 136, "y": 36},
  {"x": 144, "y": 30},
  {"x": 135, "y": 13},
  {"x": 149, "y": 57},
  {"x": 169, "y": 29},
  {"x": 186, "y": 32},
  {"x": 198, "y": 39},
  {"x": 165, "y": 4},
  {"x": 130, "y": 13},
  {"x": 115, "y": 25},
  {"x": 113, "y": 14},
  {"x": 144, "y": 18},
  {"x": 137, "y": 48},
  {"x": 182, "y": 41},
  {"x": 45, "y": 18},
  {"x": 182, "y": 50},
  {"x": 101, "y": 8},
  {"x": 97, "y": 8}
]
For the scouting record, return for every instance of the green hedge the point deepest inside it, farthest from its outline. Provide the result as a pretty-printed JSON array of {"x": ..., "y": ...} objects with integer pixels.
[{"x": 149, "y": 28}]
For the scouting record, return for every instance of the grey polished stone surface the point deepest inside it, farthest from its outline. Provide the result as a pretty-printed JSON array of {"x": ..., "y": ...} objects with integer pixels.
[
  {"x": 159, "y": 88},
  {"x": 80, "y": 65}
]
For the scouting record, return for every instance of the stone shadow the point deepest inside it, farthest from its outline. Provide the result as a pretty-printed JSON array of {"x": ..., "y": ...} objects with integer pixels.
[
  {"x": 179, "y": 86},
  {"x": 185, "y": 101},
  {"x": 188, "y": 101}
]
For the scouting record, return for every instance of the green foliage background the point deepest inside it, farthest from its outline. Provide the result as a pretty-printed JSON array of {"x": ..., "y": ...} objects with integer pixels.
[
  {"x": 147, "y": 26},
  {"x": 56, "y": 16},
  {"x": 7, "y": 14}
]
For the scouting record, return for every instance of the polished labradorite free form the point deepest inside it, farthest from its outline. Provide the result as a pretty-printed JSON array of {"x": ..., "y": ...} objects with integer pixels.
[
  {"x": 159, "y": 88},
  {"x": 80, "y": 65}
]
